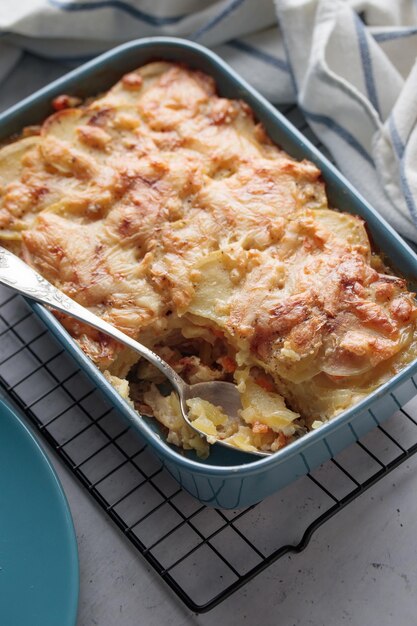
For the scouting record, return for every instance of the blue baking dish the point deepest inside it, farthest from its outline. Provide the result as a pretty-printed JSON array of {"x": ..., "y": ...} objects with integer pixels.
[{"x": 230, "y": 479}]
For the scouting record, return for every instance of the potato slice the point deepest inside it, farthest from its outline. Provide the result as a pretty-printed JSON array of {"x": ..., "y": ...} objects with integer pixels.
[
  {"x": 11, "y": 158},
  {"x": 348, "y": 228},
  {"x": 267, "y": 408},
  {"x": 214, "y": 291}
]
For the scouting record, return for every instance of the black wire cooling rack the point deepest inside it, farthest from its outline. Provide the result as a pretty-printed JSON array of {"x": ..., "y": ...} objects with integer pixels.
[{"x": 203, "y": 554}]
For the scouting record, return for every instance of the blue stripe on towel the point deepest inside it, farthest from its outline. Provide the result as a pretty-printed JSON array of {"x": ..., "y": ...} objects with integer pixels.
[
  {"x": 366, "y": 63},
  {"x": 231, "y": 6},
  {"x": 339, "y": 130},
  {"x": 399, "y": 148},
  {"x": 291, "y": 71},
  {"x": 148, "y": 18},
  {"x": 233, "y": 43},
  {"x": 396, "y": 139},
  {"x": 395, "y": 34},
  {"x": 259, "y": 54}
]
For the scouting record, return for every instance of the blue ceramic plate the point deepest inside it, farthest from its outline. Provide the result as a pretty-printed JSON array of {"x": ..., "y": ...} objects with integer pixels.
[{"x": 38, "y": 549}]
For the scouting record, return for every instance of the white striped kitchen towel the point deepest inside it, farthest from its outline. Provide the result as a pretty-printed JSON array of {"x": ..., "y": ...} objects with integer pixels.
[{"x": 350, "y": 65}]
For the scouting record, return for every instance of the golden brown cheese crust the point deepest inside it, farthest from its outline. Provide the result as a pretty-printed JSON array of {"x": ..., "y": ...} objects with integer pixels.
[{"x": 161, "y": 205}]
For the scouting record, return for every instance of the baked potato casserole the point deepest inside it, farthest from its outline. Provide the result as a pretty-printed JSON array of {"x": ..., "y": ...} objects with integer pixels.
[{"x": 168, "y": 211}]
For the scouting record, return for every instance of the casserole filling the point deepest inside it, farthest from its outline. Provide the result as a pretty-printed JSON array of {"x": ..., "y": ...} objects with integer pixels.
[{"x": 168, "y": 211}]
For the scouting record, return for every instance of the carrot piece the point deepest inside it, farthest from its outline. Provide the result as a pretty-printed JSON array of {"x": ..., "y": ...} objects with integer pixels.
[
  {"x": 282, "y": 440},
  {"x": 265, "y": 382},
  {"x": 65, "y": 102},
  {"x": 259, "y": 428},
  {"x": 227, "y": 363}
]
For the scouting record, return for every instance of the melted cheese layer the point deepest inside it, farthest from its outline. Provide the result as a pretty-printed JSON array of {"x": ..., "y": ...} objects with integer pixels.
[{"x": 167, "y": 210}]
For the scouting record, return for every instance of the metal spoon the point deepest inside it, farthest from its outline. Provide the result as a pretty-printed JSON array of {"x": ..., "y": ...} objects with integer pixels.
[{"x": 16, "y": 274}]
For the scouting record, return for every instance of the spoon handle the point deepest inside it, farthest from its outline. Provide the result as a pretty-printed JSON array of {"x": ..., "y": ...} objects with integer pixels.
[{"x": 16, "y": 274}]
